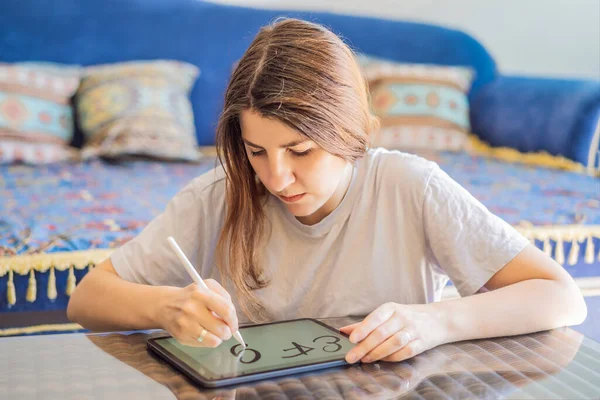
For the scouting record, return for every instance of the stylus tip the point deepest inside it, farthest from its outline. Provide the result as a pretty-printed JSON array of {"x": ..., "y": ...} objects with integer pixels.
[{"x": 239, "y": 338}]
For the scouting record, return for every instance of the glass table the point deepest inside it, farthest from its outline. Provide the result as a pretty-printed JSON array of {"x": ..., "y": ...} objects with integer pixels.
[{"x": 557, "y": 364}]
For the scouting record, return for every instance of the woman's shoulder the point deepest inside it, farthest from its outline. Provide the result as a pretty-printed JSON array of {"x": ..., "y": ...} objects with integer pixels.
[
  {"x": 209, "y": 185},
  {"x": 392, "y": 167}
]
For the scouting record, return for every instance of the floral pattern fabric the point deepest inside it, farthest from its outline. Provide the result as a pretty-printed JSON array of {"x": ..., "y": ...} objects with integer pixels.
[{"x": 100, "y": 205}]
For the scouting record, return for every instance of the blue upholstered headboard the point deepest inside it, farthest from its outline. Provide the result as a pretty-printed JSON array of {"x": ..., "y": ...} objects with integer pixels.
[{"x": 211, "y": 36}]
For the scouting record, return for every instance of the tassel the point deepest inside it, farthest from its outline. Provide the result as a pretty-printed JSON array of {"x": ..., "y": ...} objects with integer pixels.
[
  {"x": 559, "y": 252},
  {"x": 589, "y": 250},
  {"x": 547, "y": 246},
  {"x": 31, "y": 287},
  {"x": 52, "y": 284},
  {"x": 574, "y": 253},
  {"x": 71, "y": 281},
  {"x": 10, "y": 290}
]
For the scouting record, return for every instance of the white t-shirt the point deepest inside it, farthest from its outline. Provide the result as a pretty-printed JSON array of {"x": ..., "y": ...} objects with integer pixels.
[{"x": 403, "y": 227}]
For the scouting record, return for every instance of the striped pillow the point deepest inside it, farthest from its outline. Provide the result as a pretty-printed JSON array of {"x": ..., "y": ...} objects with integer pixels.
[
  {"x": 420, "y": 106},
  {"x": 138, "y": 108},
  {"x": 36, "y": 118}
]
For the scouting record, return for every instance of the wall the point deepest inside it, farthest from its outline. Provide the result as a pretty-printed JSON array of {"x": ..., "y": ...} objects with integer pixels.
[{"x": 527, "y": 37}]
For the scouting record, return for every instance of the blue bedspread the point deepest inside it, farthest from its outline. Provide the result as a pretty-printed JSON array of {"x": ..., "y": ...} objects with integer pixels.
[
  {"x": 83, "y": 206},
  {"x": 100, "y": 205}
]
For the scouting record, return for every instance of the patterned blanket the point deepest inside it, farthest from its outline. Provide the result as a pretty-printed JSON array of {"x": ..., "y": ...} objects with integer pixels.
[{"x": 99, "y": 205}]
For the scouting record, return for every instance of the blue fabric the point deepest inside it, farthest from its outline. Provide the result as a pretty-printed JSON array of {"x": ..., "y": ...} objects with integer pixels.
[
  {"x": 532, "y": 114},
  {"x": 82, "y": 206},
  {"x": 582, "y": 142},
  {"x": 211, "y": 36}
]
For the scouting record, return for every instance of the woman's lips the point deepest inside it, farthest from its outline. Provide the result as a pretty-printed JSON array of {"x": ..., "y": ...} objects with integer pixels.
[{"x": 292, "y": 199}]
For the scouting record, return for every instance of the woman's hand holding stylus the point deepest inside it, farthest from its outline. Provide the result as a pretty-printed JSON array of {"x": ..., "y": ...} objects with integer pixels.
[{"x": 186, "y": 312}]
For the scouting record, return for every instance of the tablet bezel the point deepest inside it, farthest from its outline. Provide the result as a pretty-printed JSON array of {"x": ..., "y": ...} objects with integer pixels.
[{"x": 157, "y": 348}]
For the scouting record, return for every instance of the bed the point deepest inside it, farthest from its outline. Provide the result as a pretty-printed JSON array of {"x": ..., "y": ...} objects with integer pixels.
[{"x": 57, "y": 221}]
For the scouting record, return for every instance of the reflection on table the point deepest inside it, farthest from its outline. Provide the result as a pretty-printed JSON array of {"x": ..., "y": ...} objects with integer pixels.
[{"x": 556, "y": 364}]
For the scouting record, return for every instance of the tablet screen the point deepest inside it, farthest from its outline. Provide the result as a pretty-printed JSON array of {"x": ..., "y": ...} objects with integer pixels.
[{"x": 271, "y": 347}]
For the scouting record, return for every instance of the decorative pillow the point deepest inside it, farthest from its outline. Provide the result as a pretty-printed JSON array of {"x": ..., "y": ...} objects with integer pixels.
[
  {"x": 36, "y": 118},
  {"x": 420, "y": 106},
  {"x": 138, "y": 108}
]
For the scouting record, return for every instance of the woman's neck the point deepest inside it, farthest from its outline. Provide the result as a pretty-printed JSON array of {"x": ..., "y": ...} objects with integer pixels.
[{"x": 334, "y": 201}]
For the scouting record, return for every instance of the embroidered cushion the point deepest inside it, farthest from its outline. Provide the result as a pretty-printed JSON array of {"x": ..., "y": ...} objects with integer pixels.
[
  {"x": 420, "y": 106},
  {"x": 139, "y": 108},
  {"x": 36, "y": 118}
]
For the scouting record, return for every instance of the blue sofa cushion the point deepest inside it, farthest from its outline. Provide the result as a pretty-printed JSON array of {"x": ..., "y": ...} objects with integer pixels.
[{"x": 533, "y": 114}]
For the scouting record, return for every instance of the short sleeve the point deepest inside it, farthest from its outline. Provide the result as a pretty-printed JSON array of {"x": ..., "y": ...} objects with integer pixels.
[
  {"x": 463, "y": 237},
  {"x": 148, "y": 258}
]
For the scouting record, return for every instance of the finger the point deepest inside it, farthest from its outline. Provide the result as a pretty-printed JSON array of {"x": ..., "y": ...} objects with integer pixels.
[
  {"x": 217, "y": 288},
  {"x": 215, "y": 325},
  {"x": 374, "y": 339},
  {"x": 220, "y": 305},
  {"x": 372, "y": 322},
  {"x": 191, "y": 339},
  {"x": 349, "y": 328},
  {"x": 412, "y": 349},
  {"x": 390, "y": 346}
]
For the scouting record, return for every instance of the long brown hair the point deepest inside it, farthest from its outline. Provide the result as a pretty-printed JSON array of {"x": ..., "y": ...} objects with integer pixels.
[{"x": 306, "y": 77}]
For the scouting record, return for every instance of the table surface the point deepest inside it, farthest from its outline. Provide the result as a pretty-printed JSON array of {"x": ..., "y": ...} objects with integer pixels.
[{"x": 557, "y": 364}]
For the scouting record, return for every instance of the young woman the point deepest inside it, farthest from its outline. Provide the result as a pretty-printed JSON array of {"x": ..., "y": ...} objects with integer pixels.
[{"x": 303, "y": 219}]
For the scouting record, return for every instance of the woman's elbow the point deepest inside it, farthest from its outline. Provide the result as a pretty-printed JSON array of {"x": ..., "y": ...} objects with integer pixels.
[
  {"x": 580, "y": 311},
  {"x": 78, "y": 298},
  {"x": 576, "y": 309},
  {"x": 72, "y": 306}
]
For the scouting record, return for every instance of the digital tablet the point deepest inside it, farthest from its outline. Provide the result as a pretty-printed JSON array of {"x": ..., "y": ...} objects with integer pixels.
[{"x": 273, "y": 350}]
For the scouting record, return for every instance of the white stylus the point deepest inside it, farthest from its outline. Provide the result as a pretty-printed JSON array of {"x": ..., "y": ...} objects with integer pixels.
[{"x": 196, "y": 277}]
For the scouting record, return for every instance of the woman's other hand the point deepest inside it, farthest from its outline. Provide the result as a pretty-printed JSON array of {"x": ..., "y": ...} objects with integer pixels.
[{"x": 395, "y": 332}]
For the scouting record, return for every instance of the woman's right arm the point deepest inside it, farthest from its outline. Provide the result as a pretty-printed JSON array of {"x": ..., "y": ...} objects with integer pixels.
[{"x": 103, "y": 301}]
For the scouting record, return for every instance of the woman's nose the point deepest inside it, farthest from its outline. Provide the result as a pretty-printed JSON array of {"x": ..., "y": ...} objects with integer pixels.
[{"x": 280, "y": 174}]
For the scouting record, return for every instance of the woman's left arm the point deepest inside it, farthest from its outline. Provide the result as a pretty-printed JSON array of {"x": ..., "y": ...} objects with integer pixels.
[{"x": 530, "y": 293}]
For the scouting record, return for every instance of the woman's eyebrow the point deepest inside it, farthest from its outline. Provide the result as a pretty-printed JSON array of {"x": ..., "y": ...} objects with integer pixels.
[{"x": 290, "y": 144}]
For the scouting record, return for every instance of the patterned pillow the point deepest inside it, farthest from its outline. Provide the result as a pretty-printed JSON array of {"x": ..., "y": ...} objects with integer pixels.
[
  {"x": 138, "y": 108},
  {"x": 420, "y": 106},
  {"x": 36, "y": 118}
]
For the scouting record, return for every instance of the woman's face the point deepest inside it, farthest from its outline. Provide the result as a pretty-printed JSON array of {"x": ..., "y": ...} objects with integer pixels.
[{"x": 308, "y": 180}]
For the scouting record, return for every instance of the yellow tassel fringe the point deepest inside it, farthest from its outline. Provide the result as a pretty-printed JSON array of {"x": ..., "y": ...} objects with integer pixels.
[
  {"x": 562, "y": 234},
  {"x": 547, "y": 247},
  {"x": 31, "y": 287},
  {"x": 30, "y": 264},
  {"x": 559, "y": 252},
  {"x": 40, "y": 328},
  {"x": 589, "y": 251},
  {"x": 71, "y": 282},
  {"x": 52, "y": 285},
  {"x": 10, "y": 290},
  {"x": 541, "y": 159},
  {"x": 574, "y": 253}
]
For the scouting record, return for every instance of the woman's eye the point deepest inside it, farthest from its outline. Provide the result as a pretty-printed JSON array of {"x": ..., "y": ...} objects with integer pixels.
[
  {"x": 301, "y": 153},
  {"x": 295, "y": 153}
]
